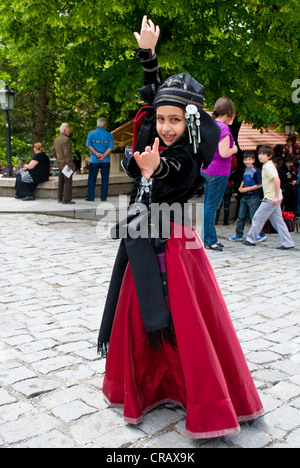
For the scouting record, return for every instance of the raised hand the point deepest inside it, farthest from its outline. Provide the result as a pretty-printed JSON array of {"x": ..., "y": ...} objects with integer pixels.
[
  {"x": 149, "y": 160},
  {"x": 148, "y": 36}
]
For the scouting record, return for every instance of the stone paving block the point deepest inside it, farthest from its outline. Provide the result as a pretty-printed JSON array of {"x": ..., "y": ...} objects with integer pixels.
[
  {"x": 74, "y": 376},
  {"x": 287, "y": 365},
  {"x": 5, "y": 397},
  {"x": 262, "y": 357},
  {"x": 286, "y": 418},
  {"x": 257, "y": 345},
  {"x": 72, "y": 411},
  {"x": 36, "y": 386},
  {"x": 90, "y": 428},
  {"x": 27, "y": 427},
  {"x": 172, "y": 440},
  {"x": 285, "y": 391},
  {"x": 73, "y": 347},
  {"x": 52, "y": 439},
  {"x": 270, "y": 375},
  {"x": 14, "y": 411},
  {"x": 30, "y": 358},
  {"x": 53, "y": 365},
  {"x": 287, "y": 348},
  {"x": 38, "y": 345},
  {"x": 127, "y": 436},
  {"x": 157, "y": 420},
  {"x": 18, "y": 340},
  {"x": 293, "y": 439},
  {"x": 250, "y": 437},
  {"x": 16, "y": 375}
]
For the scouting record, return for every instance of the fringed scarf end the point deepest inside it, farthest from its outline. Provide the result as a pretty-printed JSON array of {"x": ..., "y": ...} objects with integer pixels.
[
  {"x": 102, "y": 350},
  {"x": 157, "y": 338}
]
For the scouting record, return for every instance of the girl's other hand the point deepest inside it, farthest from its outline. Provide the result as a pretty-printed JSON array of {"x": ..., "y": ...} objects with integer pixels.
[{"x": 149, "y": 160}]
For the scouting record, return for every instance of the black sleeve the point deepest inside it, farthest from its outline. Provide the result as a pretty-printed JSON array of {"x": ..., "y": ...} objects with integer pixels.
[
  {"x": 152, "y": 74},
  {"x": 175, "y": 167}
]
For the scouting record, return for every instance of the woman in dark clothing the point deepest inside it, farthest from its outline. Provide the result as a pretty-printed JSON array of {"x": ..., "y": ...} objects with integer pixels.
[
  {"x": 34, "y": 173},
  {"x": 169, "y": 332}
]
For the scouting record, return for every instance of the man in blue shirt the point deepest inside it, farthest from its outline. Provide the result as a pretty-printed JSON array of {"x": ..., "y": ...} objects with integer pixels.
[{"x": 100, "y": 143}]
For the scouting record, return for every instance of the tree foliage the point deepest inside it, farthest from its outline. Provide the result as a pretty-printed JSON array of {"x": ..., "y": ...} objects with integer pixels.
[{"x": 73, "y": 60}]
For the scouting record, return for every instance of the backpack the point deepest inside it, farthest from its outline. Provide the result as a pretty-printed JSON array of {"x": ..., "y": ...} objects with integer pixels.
[
  {"x": 142, "y": 133},
  {"x": 289, "y": 219}
]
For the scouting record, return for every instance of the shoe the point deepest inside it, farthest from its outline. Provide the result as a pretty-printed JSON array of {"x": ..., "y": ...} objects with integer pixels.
[
  {"x": 214, "y": 247},
  {"x": 245, "y": 242},
  {"x": 235, "y": 238},
  {"x": 89, "y": 199},
  {"x": 262, "y": 238},
  {"x": 28, "y": 198},
  {"x": 68, "y": 202},
  {"x": 219, "y": 244},
  {"x": 285, "y": 248}
]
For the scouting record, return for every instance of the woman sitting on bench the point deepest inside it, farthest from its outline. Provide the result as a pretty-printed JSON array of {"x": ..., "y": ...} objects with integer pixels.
[{"x": 34, "y": 173}]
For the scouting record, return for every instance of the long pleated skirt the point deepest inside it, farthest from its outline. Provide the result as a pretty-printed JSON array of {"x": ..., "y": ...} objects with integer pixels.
[{"x": 206, "y": 374}]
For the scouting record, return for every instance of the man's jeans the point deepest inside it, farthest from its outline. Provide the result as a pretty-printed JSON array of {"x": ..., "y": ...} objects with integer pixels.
[
  {"x": 268, "y": 211},
  {"x": 93, "y": 173},
  {"x": 214, "y": 190},
  {"x": 249, "y": 203}
]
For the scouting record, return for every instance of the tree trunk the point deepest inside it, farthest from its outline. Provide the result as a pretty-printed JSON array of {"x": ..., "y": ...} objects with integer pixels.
[{"x": 40, "y": 122}]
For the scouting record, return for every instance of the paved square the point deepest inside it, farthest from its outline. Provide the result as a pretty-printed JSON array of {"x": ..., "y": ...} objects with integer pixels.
[{"x": 54, "y": 277}]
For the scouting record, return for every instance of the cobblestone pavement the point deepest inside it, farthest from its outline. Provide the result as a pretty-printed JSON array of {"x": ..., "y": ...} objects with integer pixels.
[{"x": 54, "y": 277}]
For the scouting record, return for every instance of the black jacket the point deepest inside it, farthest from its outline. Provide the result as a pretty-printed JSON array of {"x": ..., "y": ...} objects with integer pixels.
[{"x": 178, "y": 176}]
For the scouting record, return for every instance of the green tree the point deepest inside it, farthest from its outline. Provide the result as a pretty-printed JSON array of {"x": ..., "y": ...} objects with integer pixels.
[{"x": 72, "y": 60}]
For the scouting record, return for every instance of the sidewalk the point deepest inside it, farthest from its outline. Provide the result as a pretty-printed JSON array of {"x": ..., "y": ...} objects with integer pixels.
[
  {"x": 82, "y": 209},
  {"x": 54, "y": 276}
]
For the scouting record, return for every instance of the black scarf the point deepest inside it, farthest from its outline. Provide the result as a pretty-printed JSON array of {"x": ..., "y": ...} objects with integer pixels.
[{"x": 147, "y": 263}]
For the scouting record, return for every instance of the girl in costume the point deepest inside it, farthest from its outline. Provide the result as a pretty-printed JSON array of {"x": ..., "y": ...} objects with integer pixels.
[{"x": 167, "y": 327}]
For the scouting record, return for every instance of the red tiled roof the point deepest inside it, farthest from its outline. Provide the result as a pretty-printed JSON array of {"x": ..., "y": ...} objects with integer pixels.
[{"x": 249, "y": 138}]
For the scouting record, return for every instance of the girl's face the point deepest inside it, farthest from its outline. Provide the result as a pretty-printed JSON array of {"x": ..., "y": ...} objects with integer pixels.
[
  {"x": 228, "y": 119},
  {"x": 170, "y": 123}
]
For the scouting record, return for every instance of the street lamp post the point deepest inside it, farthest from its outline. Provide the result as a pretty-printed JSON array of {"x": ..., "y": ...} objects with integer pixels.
[
  {"x": 7, "y": 104},
  {"x": 289, "y": 128}
]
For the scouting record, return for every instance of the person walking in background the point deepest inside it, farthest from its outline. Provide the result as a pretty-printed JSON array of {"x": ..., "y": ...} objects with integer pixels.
[
  {"x": 62, "y": 151},
  {"x": 217, "y": 174},
  {"x": 100, "y": 143},
  {"x": 270, "y": 206}
]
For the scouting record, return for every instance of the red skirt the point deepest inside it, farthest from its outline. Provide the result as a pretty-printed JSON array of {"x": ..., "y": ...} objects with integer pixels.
[{"x": 206, "y": 374}]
